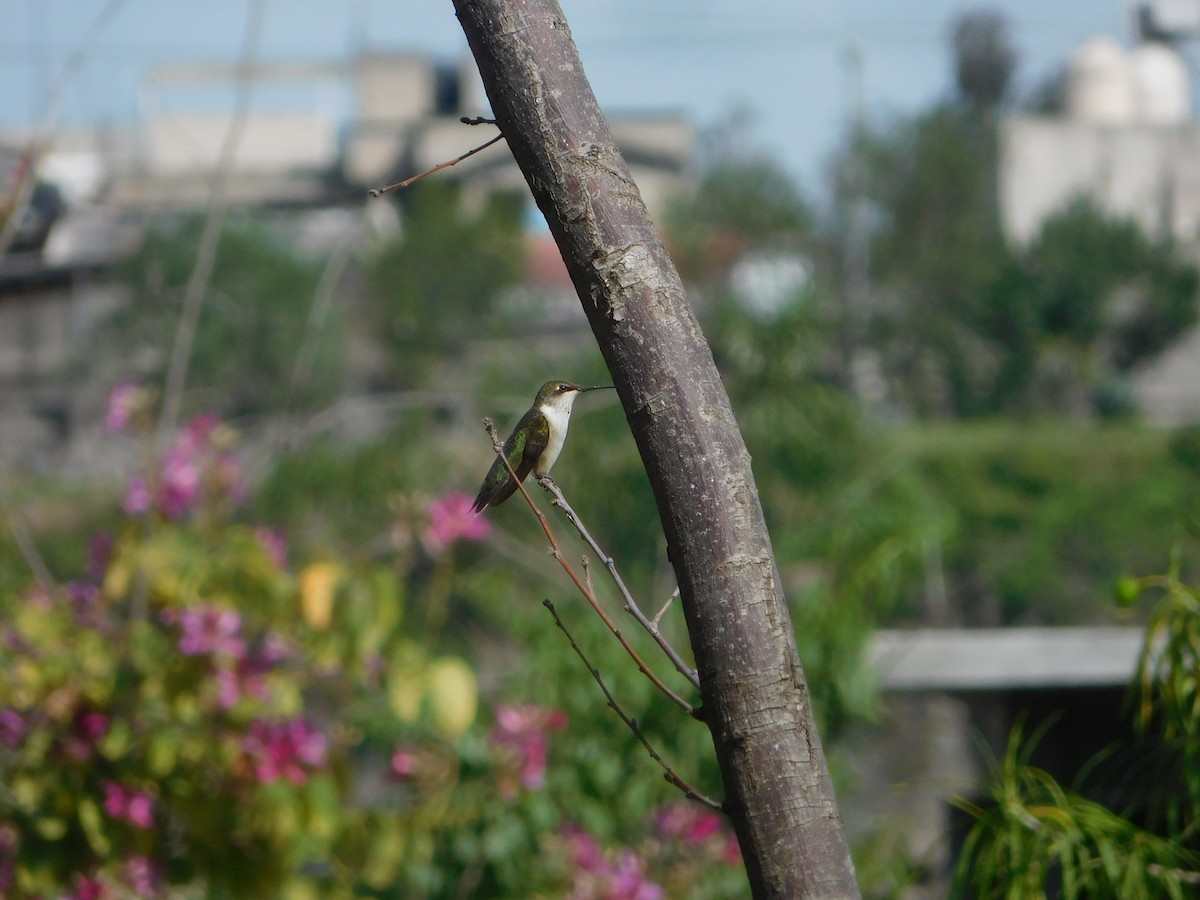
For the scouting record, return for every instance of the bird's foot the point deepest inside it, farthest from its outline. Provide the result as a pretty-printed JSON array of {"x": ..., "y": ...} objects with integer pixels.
[{"x": 547, "y": 483}]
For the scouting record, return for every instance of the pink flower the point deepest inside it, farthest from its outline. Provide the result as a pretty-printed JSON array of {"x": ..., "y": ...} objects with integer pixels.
[
  {"x": 450, "y": 520},
  {"x": 245, "y": 679},
  {"x": 123, "y": 401},
  {"x": 520, "y": 733},
  {"x": 404, "y": 764},
  {"x": 137, "y": 496},
  {"x": 87, "y": 888},
  {"x": 12, "y": 728},
  {"x": 599, "y": 878},
  {"x": 699, "y": 826},
  {"x": 211, "y": 630},
  {"x": 143, "y": 876},
  {"x": 628, "y": 881},
  {"x": 199, "y": 430},
  {"x": 689, "y": 822},
  {"x": 586, "y": 851},
  {"x": 289, "y": 750},
  {"x": 134, "y": 807},
  {"x": 197, "y": 466},
  {"x": 179, "y": 482}
]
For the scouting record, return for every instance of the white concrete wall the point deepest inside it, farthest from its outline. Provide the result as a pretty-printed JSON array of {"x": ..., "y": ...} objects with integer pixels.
[
  {"x": 1151, "y": 173},
  {"x": 274, "y": 142}
]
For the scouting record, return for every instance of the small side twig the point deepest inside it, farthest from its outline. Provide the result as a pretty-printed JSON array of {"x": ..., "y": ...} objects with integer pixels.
[
  {"x": 668, "y": 773},
  {"x": 379, "y": 192},
  {"x": 658, "y": 615},
  {"x": 24, "y": 541},
  {"x": 631, "y": 605},
  {"x": 588, "y": 594}
]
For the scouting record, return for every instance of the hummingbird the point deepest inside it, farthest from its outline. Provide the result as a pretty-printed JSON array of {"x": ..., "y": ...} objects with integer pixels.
[{"x": 535, "y": 442}]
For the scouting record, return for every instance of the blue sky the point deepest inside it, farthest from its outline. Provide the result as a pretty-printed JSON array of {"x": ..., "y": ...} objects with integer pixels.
[{"x": 783, "y": 61}]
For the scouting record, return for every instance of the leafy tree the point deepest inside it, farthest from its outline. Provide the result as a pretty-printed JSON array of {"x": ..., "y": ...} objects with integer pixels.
[
  {"x": 435, "y": 287},
  {"x": 255, "y": 318},
  {"x": 739, "y": 206},
  {"x": 1088, "y": 299},
  {"x": 936, "y": 249},
  {"x": 964, "y": 323}
]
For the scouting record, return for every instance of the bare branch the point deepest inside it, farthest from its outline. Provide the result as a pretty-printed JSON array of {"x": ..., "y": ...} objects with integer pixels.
[
  {"x": 658, "y": 616},
  {"x": 206, "y": 250},
  {"x": 322, "y": 301},
  {"x": 379, "y": 192},
  {"x": 588, "y": 595},
  {"x": 24, "y": 541},
  {"x": 631, "y": 605},
  {"x": 668, "y": 773}
]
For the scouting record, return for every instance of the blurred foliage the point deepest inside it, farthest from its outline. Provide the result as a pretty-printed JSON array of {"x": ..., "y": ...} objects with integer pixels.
[
  {"x": 738, "y": 206},
  {"x": 434, "y": 287},
  {"x": 1032, "y": 834},
  {"x": 256, "y": 316},
  {"x": 196, "y": 713},
  {"x": 966, "y": 324},
  {"x": 935, "y": 248},
  {"x": 1046, "y": 515},
  {"x": 1088, "y": 299}
]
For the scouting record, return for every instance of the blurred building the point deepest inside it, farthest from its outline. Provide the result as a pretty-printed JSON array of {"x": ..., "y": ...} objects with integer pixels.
[
  {"x": 952, "y": 698},
  {"x": 305, "y": 134},
  {"x": 1126, "y": 139}
]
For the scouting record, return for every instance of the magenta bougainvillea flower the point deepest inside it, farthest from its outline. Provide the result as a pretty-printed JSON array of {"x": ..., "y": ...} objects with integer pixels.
[
  {"x": 696, "y": 825},
  {"x": 520, "y": 733},
  {"x": 12, "y": 728},
  {"x": 198, "y": 466},
  {"x": 134, "y": 807},
  {"x": 404, "y": 764},
  {"x": 88, "y": 888},
  {"x": 601, "y": 876},
  {"x": 211, "y": 630},
  {"x": 123, "y": 401},
  {"x": 143, "y": 876},
  {"x": 290, "y": 750},
  {"x": 450, "y": 520}
]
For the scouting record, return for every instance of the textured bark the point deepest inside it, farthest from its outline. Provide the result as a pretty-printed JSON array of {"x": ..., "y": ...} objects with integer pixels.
[{"x": 756, "y": 703}]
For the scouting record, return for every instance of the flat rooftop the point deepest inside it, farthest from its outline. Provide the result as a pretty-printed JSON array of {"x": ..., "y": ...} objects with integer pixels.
[{"x": 944, "y": 659}]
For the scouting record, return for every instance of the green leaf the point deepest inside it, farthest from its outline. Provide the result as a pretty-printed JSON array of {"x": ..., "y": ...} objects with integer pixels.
[
  {"x": 93, "y": 826},
  {"x": 1128, "y": 589},
  {"x": 52, "y": 828}
]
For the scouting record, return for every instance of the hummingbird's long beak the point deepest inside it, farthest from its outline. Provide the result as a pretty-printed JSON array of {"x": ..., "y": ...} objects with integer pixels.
[{"x": 600, "y": 387}]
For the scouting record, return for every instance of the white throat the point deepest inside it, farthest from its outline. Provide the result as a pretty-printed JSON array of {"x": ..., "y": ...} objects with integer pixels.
[{"x": 558, "y": 414}]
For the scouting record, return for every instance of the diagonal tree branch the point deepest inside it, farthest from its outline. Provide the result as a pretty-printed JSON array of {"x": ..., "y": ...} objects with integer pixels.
[
  {"x": 631, "y": 605},
  {"x": 756, "y": 702}
]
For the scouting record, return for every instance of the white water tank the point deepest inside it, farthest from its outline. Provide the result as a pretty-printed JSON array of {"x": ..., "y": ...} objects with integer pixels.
[
  {"x": 1161, "y": 83},
  {"x": 1100, "y": 84}
]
